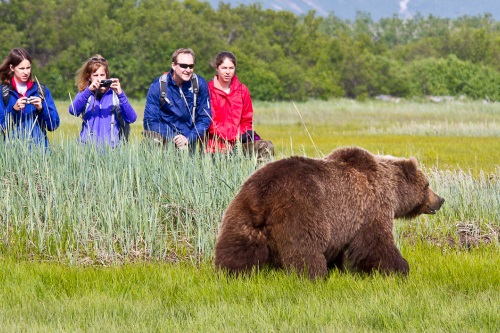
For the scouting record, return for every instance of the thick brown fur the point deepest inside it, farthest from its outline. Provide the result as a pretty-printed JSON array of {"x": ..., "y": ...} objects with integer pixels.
[{"x": 310, "y": 215}]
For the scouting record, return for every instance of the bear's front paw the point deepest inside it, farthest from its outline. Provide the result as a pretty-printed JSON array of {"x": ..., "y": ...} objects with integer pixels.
[{"x": 398, "y": 265}]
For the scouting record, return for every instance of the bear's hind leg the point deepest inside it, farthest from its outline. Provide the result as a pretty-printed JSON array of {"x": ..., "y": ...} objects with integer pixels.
[{"x": 239, "y": 251}]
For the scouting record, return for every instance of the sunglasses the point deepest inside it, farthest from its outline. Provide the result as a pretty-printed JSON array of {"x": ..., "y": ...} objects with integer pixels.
[
  {"x": 98, "y": 59},
  {"x": 186, "y": 66}
]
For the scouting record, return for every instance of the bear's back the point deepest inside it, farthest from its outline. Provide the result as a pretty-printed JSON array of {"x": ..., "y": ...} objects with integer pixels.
[{"x": 296, "y": 172}]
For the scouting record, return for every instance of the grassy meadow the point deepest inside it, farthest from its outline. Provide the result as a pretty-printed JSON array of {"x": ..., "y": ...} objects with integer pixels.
[{"x": 122, "y": 240}]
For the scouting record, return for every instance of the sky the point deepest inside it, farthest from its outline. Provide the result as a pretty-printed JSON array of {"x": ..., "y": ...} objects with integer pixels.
[{"x": 346, "y": 9}]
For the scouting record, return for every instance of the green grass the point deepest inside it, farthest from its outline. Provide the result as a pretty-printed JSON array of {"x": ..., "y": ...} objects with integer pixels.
[
  {"x": 79, "y": 204},
  {"x": 454, "y": 135},
  {"x": 122, "y": 240},
  {"x": 447, "y": 291}
]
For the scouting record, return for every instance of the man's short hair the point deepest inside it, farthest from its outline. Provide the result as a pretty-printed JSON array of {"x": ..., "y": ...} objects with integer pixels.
[{"x": 181, "y": 51}]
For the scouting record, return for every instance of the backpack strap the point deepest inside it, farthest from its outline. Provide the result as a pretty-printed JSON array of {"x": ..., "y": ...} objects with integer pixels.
[
  {"x": 5, "y": 99},
  {"x": 163, "y": 90},
  {"x": 86, "y": 107},
  {"x": 5, "y": 94},
  {"x": 115, "y": 111},
  {"x": 41, "y": 91},
  {"x": 116, "y": 103},
  {"x": 196, "y": 90},
  {"x": 124, "y": 129},
  {"x": 84, "y": 112}
]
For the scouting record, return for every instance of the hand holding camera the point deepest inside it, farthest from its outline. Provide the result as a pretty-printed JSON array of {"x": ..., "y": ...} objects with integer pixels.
[
  {"x": 106, "y": 83},
  {"x": 23, "y": 101},
  {"x": 98, "y": 83},
  {"x": 110, "y": 83},
  {"x": 35, "y": 101}
]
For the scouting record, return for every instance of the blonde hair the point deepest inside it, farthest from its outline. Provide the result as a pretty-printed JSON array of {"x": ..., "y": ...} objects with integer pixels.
[
  {"x": 82, "y": 76},
  {"x": 181, "y": 51}
]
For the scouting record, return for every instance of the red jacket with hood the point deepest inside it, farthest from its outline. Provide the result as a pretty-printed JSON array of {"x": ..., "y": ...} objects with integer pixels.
[{"x": 231, "y": 115}]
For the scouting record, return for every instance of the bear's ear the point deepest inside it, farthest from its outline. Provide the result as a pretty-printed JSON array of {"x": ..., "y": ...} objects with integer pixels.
[{"x": 410, "y": 167}]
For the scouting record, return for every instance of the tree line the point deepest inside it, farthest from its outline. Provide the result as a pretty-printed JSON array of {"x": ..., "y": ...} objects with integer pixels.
[{"x": 281, "y": 56}]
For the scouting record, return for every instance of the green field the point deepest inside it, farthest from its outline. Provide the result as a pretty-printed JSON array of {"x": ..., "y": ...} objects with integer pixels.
[
  {"x": 123, "y": 240},
  {"x": 446, "y": 291},
  {"x": 454, "y": 135}
]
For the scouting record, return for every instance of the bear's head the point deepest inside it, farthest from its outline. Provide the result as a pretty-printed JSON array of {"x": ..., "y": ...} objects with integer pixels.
[{"x": 413, "y": 194}]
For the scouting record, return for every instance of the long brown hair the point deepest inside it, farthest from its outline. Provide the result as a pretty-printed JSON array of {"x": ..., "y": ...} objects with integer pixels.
[
  {"x": 221, "y": 56},
  {"x": 15, "y": 57},
  {"x": 82, "y": 76}
]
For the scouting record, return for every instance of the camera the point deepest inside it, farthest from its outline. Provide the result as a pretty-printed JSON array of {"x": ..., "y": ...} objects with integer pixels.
[
  {"x": 105, "y": 83},
  {"x": 29, "y": 100}
]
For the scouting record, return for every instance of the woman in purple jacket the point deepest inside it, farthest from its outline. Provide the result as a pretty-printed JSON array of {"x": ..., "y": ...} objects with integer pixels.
[{"x": 102, "y": 104}]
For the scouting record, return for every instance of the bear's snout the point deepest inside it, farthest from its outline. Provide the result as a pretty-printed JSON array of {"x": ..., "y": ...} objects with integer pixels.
[{"x": 435, "y": 203}]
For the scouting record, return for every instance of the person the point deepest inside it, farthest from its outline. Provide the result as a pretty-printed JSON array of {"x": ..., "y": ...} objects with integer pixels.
[
  {"x": 232, "y": 113},
  {"x": 232, "y": 109},
  {"x": 179, "y": 113},
  {"x": 27, "y": 109},
  {"x": 101, "y": 102}
]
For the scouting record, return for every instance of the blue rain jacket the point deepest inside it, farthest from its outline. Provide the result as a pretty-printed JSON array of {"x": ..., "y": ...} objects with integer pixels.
[
  {"x": 177, "y": 118},
  {"x": 28, "y": 122}
]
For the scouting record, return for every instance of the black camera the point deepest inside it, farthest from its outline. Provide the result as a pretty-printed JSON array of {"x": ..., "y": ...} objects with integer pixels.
[{"x": 105, "y": 83}]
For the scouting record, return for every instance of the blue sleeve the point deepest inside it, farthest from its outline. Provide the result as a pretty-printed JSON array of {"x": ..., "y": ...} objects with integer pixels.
[
  {"x": 78, "y": 105},
  {"x": 49, "y": 113},
  {"x": 127, "y": 111},
  {"x": 203, "y": 111},
  {"x": 152, "y": 107},
  {"x": 2, "y": 117},
  {"x": 3, "y": 112}
]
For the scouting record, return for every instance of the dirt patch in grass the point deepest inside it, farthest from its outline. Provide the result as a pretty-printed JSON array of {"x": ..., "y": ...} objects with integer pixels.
[
  {"x": 467, "y": 235},
  {"x": 470, "y": 234}
]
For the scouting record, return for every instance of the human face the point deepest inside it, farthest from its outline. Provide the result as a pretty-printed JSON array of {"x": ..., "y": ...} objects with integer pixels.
[
  {"x": 98, "y": 75},
  {"x": 183, "y": 74},
  {"x": 225, "y": 71},
  {"x": 22, "y": 72}
]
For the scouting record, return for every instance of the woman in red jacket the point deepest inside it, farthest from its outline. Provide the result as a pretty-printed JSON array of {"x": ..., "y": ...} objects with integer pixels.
[{"x": 232, "y": 109}]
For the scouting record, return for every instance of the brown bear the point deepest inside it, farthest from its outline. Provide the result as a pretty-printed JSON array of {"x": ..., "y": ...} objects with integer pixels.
[{"x": 310, "y": 215}]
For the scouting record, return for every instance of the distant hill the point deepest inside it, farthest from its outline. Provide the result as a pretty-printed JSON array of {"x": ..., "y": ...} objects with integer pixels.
[{"x": 346, "y": 9}]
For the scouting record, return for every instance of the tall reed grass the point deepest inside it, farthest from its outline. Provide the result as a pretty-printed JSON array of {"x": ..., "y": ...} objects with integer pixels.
[
  {"x": 101, "y": 205},
  {"x": 85, "y": 204}
]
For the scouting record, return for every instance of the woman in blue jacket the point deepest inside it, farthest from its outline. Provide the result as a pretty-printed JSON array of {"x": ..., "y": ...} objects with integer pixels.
[
  {"x": 102, "y": 104},
  {"x": 27, "y": 109}
]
